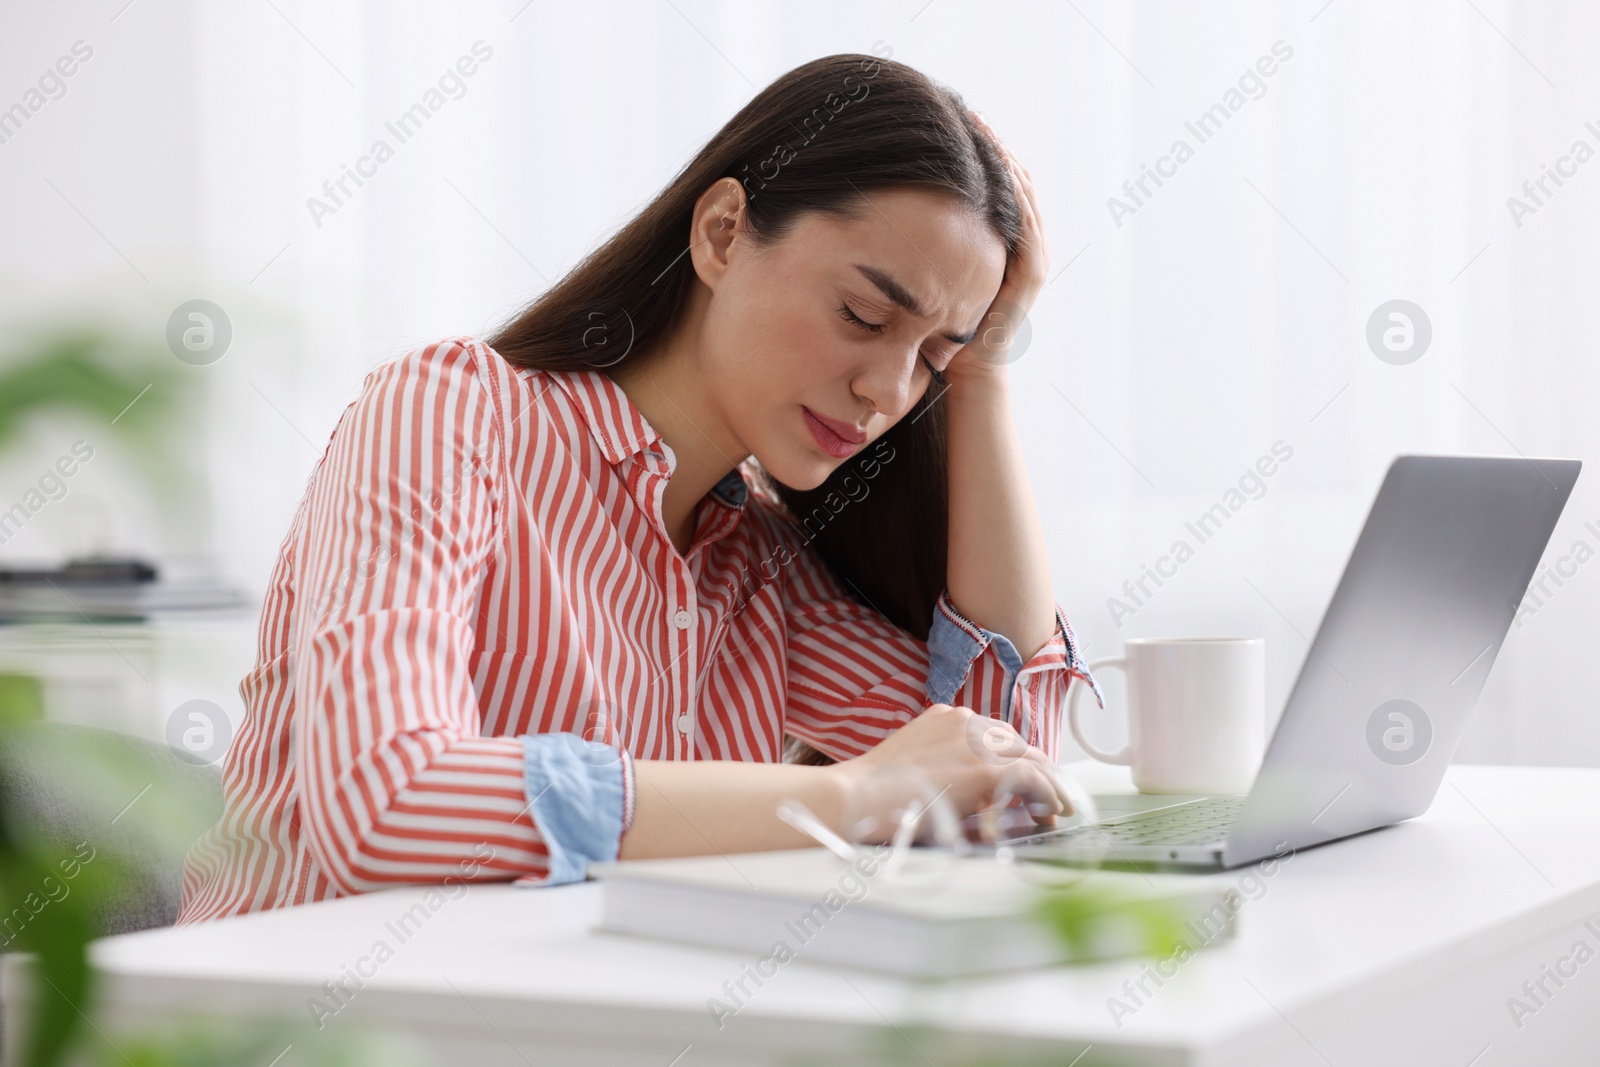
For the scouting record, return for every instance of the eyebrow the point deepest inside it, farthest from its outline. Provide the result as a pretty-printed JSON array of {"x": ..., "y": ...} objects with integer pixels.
[{"x": 903, "y": 297}]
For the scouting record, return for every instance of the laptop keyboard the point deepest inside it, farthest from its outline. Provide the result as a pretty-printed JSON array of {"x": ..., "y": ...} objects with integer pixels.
[{"x": 1199, "y": 822}]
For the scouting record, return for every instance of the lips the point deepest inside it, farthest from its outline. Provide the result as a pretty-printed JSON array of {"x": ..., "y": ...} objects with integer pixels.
[{"x": 837, "y": 439}]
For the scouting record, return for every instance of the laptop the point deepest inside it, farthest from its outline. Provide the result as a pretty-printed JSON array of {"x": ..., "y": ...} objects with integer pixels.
[{"x": 1426, "y": 599}]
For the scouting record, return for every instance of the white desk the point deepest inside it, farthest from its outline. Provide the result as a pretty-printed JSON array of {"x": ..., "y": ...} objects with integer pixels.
[{"x": 1398, "y": 947}]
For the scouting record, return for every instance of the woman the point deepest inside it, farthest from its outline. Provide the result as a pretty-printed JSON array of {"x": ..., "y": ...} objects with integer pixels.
[{"x": 747, "y": 473}]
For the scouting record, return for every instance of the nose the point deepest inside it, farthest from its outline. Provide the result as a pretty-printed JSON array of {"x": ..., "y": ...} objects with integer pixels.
[{"x": 889, "y": 385}]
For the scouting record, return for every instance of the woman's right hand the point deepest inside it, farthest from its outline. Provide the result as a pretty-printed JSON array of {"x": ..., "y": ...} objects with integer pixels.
[{"x": 972, "y": 761}]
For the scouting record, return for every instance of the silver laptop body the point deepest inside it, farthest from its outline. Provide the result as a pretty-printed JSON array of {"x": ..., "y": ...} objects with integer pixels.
[{"x": 1426, "y": 599}]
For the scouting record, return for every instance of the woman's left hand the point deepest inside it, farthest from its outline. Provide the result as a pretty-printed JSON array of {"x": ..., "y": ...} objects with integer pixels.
[{"x": 1025, "y": 275}]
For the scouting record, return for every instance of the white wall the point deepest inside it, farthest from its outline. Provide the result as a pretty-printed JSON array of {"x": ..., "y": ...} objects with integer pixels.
[{"x": 1221, "y": 317}]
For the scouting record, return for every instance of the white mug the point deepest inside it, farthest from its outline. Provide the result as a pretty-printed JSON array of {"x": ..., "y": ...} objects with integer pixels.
[{"x": 1196, "y": 713}]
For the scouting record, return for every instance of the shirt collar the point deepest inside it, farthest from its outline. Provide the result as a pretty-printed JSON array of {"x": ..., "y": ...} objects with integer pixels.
[
  {"x": 621, "y": 430},
  {"x": 618, "y": 427}
]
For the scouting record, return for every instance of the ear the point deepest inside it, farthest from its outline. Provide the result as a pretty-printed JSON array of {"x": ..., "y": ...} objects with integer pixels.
[{"x": 715, "y": 227}]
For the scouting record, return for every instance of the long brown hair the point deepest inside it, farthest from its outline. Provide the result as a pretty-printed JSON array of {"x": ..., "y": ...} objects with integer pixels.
[{"x": 819, "y": 138}]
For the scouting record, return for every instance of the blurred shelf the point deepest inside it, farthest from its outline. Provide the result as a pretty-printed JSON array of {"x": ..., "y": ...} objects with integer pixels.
[{"x": 26, "y": 598}]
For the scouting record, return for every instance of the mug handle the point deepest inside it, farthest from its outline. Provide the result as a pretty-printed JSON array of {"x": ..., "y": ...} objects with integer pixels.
[{"x": 1124, "y": 755}]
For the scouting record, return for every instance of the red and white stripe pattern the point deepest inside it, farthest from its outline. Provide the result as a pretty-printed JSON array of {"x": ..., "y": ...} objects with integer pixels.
[{"x": 480, "y": 554}]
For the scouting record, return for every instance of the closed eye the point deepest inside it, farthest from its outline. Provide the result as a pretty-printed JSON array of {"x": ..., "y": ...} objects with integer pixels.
[
  {"x": 859, "y": 322},
  {"x": 878, "y": 327}
]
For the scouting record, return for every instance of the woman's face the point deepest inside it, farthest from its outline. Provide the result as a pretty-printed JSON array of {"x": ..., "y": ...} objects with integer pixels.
[{"x": 810, "y": 344}]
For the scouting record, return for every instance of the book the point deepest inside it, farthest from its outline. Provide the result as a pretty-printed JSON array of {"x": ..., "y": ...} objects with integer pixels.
[{"x": 932, "y": 914}]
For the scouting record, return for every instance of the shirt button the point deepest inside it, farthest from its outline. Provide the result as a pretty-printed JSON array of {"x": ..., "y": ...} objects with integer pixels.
[
  {"x": 685, "y": 724},
  {"x": 681, "y": 619}
]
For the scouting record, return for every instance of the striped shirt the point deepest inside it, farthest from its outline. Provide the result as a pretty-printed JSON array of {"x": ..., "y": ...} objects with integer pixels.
[{"x": 480, "y": 555}]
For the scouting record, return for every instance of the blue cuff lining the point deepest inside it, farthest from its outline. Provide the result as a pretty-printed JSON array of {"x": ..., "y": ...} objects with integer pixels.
[
  {"x": 954, "y": 641},
  {"x": 575, "y": 790},
  {"x": 951, "y": 650}
]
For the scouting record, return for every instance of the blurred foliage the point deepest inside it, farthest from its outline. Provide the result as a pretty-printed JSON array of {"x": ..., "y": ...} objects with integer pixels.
[
  {"x": 56, "y": 897},
  {"x": 210, "y": 1043},
  {"x": 1082, "y": 916},
  {"x": 57, "y": 931},
  {"x": 21, "y": 698},
  {"x": 100, "y": 373}
]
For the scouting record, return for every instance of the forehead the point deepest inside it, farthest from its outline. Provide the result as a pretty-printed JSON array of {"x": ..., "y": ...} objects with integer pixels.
[{"x": 940, "y": 251}]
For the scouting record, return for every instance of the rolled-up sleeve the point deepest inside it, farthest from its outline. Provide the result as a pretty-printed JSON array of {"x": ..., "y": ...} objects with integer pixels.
[
  {"x": 854, "y": 677},
  {"x": 581, "y": 794},
  {"x": 980, "y": 669}
]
